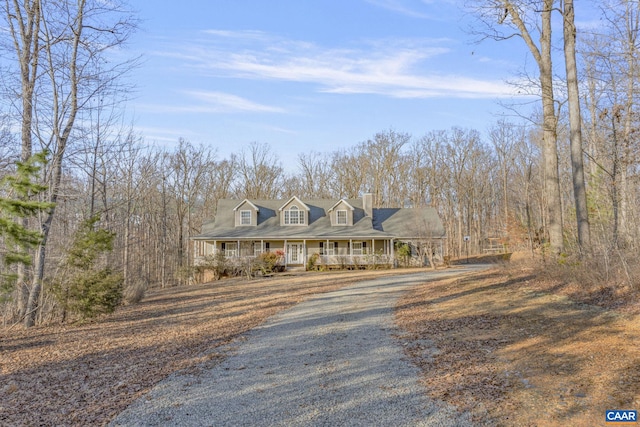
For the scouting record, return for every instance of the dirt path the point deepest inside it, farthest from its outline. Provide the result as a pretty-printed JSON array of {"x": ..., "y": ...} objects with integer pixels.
[
  {"x": 331, "y": 360},
  {"x": 79, "y": 375}
]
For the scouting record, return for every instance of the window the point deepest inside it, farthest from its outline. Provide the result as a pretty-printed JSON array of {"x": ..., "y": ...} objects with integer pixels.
[
  {"x": 359, "y": 248},
  {"x": 245, "y": 217},
  {"x": 293, "y": 216},
  {"x": 229, "y": 249},
  {"x": 341, "y": 217},
  {"x": 200, "y": 248},
  {"x": 332, "y": 249}
]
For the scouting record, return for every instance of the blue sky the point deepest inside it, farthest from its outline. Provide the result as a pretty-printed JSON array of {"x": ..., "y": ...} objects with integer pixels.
[{"x": 312, "y": 75}]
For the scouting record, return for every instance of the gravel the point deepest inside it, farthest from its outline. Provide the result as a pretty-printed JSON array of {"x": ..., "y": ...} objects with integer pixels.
[{"x": 330, "y": 361}]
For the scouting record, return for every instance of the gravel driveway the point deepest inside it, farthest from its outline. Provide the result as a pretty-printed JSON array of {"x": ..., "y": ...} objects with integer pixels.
[{"x": 330, "y": 361}]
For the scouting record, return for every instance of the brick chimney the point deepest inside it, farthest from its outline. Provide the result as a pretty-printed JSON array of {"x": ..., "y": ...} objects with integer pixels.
[{"x": 367, "y": 204}]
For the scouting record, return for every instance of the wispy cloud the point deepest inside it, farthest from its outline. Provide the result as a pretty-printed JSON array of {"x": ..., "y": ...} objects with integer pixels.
[
  {"x": 399, "y": 68},
  {"x": 399, "y": 6},
  {"x": 211, "y": 102},
  {"x": 225, "y": 102}
]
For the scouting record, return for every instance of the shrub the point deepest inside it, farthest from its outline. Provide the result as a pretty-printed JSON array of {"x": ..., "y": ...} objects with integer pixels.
[
  {"x": 266, "y": 262},
  {"x": 312, "y": 261},
  {"x": 134, "y": 292},
  {"x": 85, "y": 289},
  {"x": 216, "y": 263},
  {"x": 94, "y": 293}
]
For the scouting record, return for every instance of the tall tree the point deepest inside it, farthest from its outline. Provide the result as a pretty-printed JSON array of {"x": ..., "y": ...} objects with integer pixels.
[
  {"x": 260, "y": 173},
  {"x": 16, "y": 202},
  {"x": 524, "y": 19},
  {"x": 60, "y": 48},
  {"x": 575, "y": 126}
]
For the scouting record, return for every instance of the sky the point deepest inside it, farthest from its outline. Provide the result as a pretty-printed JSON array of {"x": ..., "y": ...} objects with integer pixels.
[{"x": 313, "y": 75}]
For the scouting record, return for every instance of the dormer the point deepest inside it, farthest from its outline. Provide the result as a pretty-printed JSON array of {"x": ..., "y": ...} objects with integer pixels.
[
  {"x": 294, "y": 212},
  {"x": 341, "y": 214},
  {"x": 246, "y": 214}
]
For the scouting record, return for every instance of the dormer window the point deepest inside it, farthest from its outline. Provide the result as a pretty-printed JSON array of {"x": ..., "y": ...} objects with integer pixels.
[
  {"x": 294, "y": 216},
  {"x": 341, "y": 213},
  {"x": 246, "y": 214},
  {"x": 245, "y": 217}
]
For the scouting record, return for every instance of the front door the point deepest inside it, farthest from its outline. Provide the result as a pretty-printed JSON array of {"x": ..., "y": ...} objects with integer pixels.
[{"x": 294, "y": 253}]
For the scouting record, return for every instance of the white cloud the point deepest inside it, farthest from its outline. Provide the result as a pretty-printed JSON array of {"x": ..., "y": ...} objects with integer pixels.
[
  {"x": 210, "y": 102},
  {"x": 399, "y": 68},
  {"x": 399, "y": 6},
  {"x": 225, "y": 102}
]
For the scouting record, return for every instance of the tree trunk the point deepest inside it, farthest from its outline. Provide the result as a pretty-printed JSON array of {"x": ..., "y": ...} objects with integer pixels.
[
  {"x": 549, "y": 125},
  {"x": 61, "y": 136},
  {"x": 549, "y": 136},
  {"x": 575, "y": 124}
]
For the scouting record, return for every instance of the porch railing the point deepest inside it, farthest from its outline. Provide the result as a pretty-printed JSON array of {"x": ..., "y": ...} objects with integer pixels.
[{"x": 355, "y": 260}]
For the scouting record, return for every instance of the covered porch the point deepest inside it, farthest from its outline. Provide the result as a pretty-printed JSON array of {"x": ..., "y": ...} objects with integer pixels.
[{"x": 308, "y": 253}]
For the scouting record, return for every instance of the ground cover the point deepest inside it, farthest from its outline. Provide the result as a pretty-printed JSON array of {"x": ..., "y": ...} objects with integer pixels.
[
  {"x": 84, "y": 375},
  {"x": 516, "y": 350},
  {"x": 511, "y": 348}
]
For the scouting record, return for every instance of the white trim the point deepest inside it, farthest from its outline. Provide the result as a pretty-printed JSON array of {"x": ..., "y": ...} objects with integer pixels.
[
  {"x": 246, "y": 201},
  {"x": 300, "y": 216},
  {"x": 298, "y": 200},
  {"x": 242, "y": 218},
  {"x": 338, "y": 202},
  {"x": 346, "y": 217}
]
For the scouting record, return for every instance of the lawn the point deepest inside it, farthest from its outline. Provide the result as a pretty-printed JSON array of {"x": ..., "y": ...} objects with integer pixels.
[
  {"x": 500, "y": 343},
  {"x": 517, "y": 351}
]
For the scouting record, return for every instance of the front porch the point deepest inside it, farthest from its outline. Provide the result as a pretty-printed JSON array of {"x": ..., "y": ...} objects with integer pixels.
[
  {"x": 304, "y": 252},
  {"x": 314, "y": 253}
]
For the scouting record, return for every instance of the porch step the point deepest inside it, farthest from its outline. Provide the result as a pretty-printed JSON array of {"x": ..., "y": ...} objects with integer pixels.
[{"x": 296, "y": 268}]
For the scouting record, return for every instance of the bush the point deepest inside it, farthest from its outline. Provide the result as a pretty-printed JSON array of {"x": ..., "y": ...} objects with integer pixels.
[
  {"x": 84, "y": 288},
  {"x": 216, "y": 263},
  {"x": 95, "y": 293},
  {"x": 312, "y": 261},
  {"x": 134, "y": 293},
  {"x": 266, "y": 262}
]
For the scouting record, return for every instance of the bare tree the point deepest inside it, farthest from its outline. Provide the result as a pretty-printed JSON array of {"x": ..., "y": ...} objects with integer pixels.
[
  {"x": 575, "y": 124},
  {"x": 315, "y": 175},
  {"x": 58, "y": 47},
  {"x": 260, "y": 174},
  {"x": 524, "y": 19}
]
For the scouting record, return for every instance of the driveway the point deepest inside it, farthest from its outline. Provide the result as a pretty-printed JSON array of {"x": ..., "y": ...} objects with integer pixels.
[{"x": 329, "y": 361}]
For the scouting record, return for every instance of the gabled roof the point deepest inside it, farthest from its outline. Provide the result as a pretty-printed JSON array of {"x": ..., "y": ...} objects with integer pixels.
[
  {"x": 246, "y": 201},
  {"x": 338, "y": 202},
  {"x": 400, "y": 223},
  {"x": 292, "y": 199}
]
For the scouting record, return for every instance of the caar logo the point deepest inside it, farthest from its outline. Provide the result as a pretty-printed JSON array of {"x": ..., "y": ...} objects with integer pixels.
[{"x": 621, "y": 416}]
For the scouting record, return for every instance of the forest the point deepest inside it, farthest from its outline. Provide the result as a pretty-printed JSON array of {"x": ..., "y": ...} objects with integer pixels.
[{"x": 86, "y": 201}]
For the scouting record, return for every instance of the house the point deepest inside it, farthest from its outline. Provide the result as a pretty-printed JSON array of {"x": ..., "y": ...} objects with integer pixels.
[{"x": 345, "y": 232}]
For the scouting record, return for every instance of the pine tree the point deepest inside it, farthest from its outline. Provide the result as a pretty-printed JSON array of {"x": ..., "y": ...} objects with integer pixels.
[
  {"x": 18, "y": 202},
  {"x": 88, "y": 287}
]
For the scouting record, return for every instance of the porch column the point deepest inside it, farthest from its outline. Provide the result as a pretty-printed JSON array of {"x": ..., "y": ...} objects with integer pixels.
[
  {"x": 215, "y": 247},
  {"x": 392, "y": 254},
  {"x": 286, "y": 255},
  {"x": 261, "y": 246},
  {"x": 238, "y": 249},
  {"x": 304, "y": 252}
]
